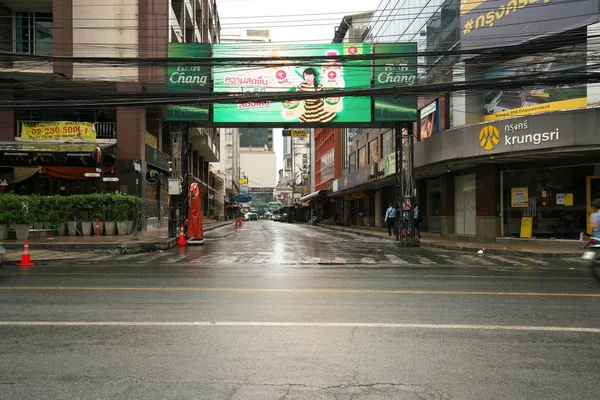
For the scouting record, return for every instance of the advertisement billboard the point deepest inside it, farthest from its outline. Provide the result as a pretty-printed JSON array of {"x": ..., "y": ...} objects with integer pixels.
[
  {"x": 294, "y": 76},
  {"x": 397, "y": 70},
  {"x": 497, "y": 23},
  {"x": 429, "y": 121},
  {"x": 182, "y": 78},
  {"x": 526, "y": 101}
]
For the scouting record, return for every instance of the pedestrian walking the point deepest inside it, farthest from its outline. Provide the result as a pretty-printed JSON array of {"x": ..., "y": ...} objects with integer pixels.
[
  {"x": 417, "y": 220},
  {"x": 390, "y": 219}
]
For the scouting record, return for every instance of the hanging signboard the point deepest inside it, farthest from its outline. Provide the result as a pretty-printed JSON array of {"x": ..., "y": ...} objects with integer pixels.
[{"x": 58, "y": 130}]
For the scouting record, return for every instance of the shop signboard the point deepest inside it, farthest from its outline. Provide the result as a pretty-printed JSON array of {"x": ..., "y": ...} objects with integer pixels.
[
  {"x": 397, "y": 70},
  {"x": 157, "y": 158},
  {"x": 58, "y": 130},
  {"x": 525, "y": 101},
  {"x": 188, "y": 78},
  {"x": 497, "y": 23},
  {"x": 294, "y": 76}
]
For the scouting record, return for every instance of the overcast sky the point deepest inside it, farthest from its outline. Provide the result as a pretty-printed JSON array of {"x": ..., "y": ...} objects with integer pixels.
[{"x": 304, "y": 21}]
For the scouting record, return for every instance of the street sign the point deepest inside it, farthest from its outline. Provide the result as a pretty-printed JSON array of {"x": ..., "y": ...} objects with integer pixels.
[
  {"x": 110, "y": 179},
  {"x": 92, "y": 175},
  {"x": 137, "y": 166},
  {"x": 299, "y": 133}
]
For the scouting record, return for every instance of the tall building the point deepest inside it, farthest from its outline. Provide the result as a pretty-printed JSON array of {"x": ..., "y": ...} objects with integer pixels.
[
  {"x": 124, "y": 134},
  {"x": 228, "y": 168},
  {"x": 256, "y": 138},
  {"x": 490, "y": 165}
]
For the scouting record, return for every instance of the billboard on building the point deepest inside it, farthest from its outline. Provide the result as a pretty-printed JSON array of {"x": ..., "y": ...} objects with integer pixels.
[
  {"x": 396, "y": 70},
  {"x": 183, "y": 77},
  {"x": 429, "y": 120},
  {"x": 294, "y": 76},
  {"x": 497, "y": 23},
  {"x": 526, "y": 101}
]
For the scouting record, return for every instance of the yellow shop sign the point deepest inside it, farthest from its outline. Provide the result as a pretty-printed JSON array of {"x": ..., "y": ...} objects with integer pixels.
[{"x": 58, "y": 130}]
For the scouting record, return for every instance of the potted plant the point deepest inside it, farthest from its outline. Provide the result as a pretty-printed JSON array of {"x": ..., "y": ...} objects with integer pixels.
[
  {"x": 24, "y": 215},
  {"x": 123, "y": 214}
]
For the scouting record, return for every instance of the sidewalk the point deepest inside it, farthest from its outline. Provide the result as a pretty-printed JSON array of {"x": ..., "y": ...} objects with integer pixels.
[
  {"x": 151, "y": 240},
  {"x": 546, "y": 248}
]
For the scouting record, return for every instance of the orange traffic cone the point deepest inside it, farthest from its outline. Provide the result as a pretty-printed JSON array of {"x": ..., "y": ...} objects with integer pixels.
[
  {"x": 181, "y": 241},
  {"x": 25, "y": 257}
]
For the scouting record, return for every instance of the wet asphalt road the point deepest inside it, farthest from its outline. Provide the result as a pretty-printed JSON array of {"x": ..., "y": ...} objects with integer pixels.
[{"x": 285, "y": 311}]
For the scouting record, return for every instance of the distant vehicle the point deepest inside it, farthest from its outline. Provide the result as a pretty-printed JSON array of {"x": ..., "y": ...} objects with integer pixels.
[{"x": 251, "y": 217}]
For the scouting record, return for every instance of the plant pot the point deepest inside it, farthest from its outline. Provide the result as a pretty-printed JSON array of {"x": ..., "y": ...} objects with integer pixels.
[
  {"x": 22, "y": 231},
  {"x": 38, "y": 225},
  {"x": 129, "y": 227},
  {"x": 72, "y": 228},
  {"x": 86, "y": 228},
  {"x": 110, "y": 228},
  {"x": 61, "y": 229},
  {"x": 3, "y": 231},
  {"x": 122, "y": 228}
]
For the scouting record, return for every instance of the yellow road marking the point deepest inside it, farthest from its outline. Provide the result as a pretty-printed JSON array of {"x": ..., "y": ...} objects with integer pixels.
[{"x": 267, "y": 290}]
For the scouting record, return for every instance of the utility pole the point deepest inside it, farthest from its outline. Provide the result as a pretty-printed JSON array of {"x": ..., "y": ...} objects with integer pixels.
[{"x": 293, "y": 171}]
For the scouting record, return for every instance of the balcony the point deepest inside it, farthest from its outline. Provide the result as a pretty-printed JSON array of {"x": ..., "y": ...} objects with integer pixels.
[
  {"x": 203, "y": 143},
  {"x": 104, "y": 130}
]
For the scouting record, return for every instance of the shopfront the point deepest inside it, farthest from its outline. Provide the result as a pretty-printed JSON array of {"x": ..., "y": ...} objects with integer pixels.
[{"x": 531, "y": 177}]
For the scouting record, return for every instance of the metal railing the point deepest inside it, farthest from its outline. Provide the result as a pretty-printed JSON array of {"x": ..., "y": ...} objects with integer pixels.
[{"x": 104, "y": 130}]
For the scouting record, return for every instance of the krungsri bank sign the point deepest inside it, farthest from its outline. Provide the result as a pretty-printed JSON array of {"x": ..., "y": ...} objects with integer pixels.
[{"x": 516, "y": 133}]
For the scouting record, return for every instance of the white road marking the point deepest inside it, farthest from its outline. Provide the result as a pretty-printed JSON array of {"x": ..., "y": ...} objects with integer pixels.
[
  {"x": 305, "y": 324},
  {"x": 506, "y": 260},
  {"x": 534, "y": 260},
  {"x": 395, "y": 260},
  {"x": 340, "y": 260},
  {"x": 477, "y": 259},
  {"x": 368, "y": 260},
  {"x": 425, "y": 260}
]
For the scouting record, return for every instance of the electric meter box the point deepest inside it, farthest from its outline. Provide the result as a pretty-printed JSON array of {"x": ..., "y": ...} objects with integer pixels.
[{"x": 174, "y": 187}]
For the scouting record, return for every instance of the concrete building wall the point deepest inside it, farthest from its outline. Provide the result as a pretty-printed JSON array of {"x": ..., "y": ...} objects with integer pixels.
[
  {"x": 105, "y": 29},
  {"x": 260, "y": 168}
]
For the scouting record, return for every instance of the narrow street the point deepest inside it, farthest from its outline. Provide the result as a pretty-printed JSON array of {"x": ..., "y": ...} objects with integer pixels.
[{"x": 288, "y": 311}]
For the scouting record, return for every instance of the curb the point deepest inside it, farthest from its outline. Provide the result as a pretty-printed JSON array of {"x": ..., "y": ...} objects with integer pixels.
[
  {"x": 132, "y": 247},
  {"x": 508, "y": 252}
]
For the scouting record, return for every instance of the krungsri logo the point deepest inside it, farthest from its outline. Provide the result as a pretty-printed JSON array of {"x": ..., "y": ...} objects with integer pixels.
[{"x": 489, "y": 137}]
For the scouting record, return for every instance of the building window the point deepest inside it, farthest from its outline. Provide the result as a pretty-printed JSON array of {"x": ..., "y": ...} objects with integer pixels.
[
  {"x": 387, "y": 140},
  {"x": 33, "y": 33},
  {"x": 374, "y": 151},
  {"x": 327, "y": 169},
  {"x": 352, "y": 162},
  {"x": 362, "y": 157}
]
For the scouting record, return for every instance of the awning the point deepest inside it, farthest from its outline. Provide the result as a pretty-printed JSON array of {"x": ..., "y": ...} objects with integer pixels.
[
  {"x": 313, "y": 195},
  {"x": 54, "y": 154}
]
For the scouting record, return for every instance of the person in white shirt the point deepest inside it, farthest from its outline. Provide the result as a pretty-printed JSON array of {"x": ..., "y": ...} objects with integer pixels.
[{"x": 390, "y": 219}]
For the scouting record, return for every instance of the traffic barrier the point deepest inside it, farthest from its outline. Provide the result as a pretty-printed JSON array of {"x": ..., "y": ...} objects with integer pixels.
[
  {"x": 181, "y": 241},
  {"x": 25, "y": 257}
]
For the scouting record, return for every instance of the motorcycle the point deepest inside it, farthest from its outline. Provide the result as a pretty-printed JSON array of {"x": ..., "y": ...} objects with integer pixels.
[
  {"x": 314, "y": 221},
  {"x": 592, "y": 254}
]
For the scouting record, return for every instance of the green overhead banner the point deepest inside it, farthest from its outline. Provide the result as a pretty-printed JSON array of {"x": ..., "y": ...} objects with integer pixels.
[
  {"x": 182, "y": 78},
  {"x": 305, "y": 76},
  {"x": 315, "y": 72},
  {"x": 397, "y": 70}
]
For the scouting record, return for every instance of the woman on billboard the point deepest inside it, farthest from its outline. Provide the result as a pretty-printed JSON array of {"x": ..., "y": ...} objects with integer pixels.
[{"x": 314, "y": 109}]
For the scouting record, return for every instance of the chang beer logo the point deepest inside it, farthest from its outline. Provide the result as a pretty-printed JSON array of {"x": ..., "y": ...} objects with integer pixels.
[
  {"x": 189, "y": 75},
  {"x": 489, "y": 137},
  {"x": 396, "y": 71}
]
